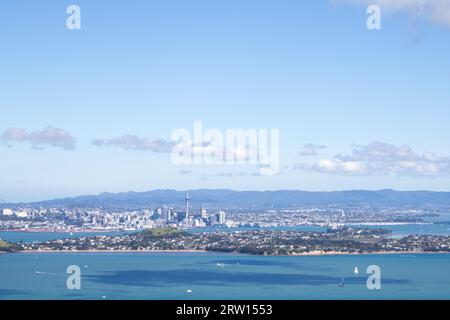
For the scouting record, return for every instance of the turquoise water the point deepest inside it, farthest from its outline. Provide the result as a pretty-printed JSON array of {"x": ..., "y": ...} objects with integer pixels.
[
  {"x": 397, "y": 230},
  {"x": 442, "y": 217},
  {"x": 170, "y": 275},
  {"x": 420, "y": 229}
]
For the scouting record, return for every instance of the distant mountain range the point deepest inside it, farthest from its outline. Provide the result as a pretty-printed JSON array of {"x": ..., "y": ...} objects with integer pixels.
[{"x": 253, "y": 199}]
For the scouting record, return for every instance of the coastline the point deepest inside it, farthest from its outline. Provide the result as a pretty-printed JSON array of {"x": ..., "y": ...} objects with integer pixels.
[
  {"x": 112, "y": 251},
  {"x": 381, "y": 224},
  {"x": 67, "y": 231},
  {"x": 305, "y": 254}
]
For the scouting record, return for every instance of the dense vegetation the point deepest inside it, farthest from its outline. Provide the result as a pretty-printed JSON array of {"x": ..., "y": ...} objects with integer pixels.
[
  {"x": 8, "y": 247},
  {"x": 163, "y": 233}
]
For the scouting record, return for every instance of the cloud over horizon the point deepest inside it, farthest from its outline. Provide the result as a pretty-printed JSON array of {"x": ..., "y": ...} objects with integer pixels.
[
  {"x": 184, "y": 172},
  {"x": 437, "y": 11},
  {"x": 50, "y": 136},
  {"x": 379, "y": 158},
  {"x": 310, "y": 150},
  {"x": 132, "y": 142},
  {"x": 218, "y": 152}
]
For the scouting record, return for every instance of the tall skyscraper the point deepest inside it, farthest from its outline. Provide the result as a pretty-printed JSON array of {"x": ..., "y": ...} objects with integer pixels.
[
  {"x": 203, "y": 213},
  {"x": 166, "y": 214},
  {"x": 221, "y": 217},
  {"x": 187, "y": 206}
]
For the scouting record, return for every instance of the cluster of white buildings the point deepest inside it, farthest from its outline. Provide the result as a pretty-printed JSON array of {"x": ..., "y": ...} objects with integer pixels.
[{"x": 18, "y": 214}]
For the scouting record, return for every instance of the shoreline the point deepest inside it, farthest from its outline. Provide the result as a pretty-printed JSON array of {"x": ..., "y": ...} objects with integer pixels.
[
  {"x": 305, "y": 254},
  {"x": 375, "y": 224},
  {"x": 68, "y": 232},
  {"x": 111, "y": 251}
]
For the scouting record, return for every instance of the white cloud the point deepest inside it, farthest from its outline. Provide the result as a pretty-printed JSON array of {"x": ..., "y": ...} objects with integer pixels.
[
  {"x": 229, "y": 174},
  {"x": 434, "y": 10},
  {"x": 219, "y": 153},
  {"x": 50, "y": 136},
  {"x": 381, "y": 151},
  {"x": 378, "y": 158},
  {"x": 335, "y": 166},
  {"x": 309, "y": 150},
  {"x": 132, "y": 142}
]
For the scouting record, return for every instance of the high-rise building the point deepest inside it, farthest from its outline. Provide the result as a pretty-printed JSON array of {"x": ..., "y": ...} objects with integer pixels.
[
  {"x": 203, "y": 213},
  {"x": 166, "y": 214},
  {"x": 221, "y": 217}
]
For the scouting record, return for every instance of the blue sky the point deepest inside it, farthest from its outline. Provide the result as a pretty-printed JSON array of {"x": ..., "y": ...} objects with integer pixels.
[{"x": 378, "y": 102}]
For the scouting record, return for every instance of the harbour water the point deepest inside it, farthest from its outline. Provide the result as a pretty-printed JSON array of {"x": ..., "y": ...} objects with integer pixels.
[
  {"x": 397, "y": 230},
  {"x": 222, "y": 276},
  {"x": 401, "y": 230}
]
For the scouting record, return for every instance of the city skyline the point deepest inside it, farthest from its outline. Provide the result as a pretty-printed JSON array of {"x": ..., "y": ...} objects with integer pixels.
[{"x": 93, "y": 110}]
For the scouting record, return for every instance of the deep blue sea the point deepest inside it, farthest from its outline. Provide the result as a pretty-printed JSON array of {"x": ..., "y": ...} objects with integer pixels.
[{"x": 222, "y": 276}]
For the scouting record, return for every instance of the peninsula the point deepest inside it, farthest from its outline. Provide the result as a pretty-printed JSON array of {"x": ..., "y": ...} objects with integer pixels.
[{"x": 344, "y": 240}]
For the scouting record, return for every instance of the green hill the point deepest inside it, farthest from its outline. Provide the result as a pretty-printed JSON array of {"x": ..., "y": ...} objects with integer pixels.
[
  {"x": 7, "y": 247},
  {"x": 163, "y": 233}
]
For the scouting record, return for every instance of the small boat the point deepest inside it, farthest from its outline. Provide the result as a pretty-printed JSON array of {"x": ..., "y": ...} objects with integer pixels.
[
  {"x": 189, "y": 291},
  {"x": 342, "y": 284},
  {"x": 356, "y": 270}
]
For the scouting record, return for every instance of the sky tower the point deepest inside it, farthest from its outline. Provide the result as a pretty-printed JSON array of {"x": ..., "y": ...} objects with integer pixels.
[{"x": 187, "y": 206}]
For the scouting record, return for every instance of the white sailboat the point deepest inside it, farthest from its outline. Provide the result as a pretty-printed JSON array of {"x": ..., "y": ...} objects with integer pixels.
[{"x": 356, "y": 270}]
